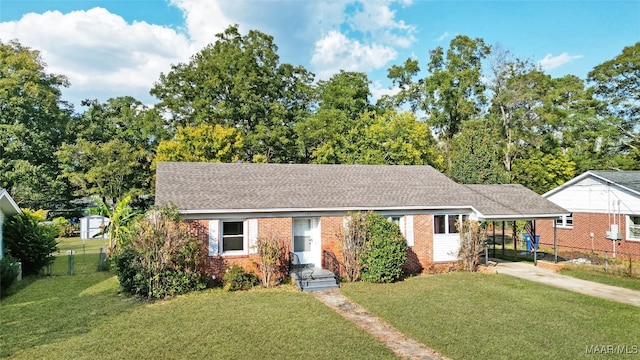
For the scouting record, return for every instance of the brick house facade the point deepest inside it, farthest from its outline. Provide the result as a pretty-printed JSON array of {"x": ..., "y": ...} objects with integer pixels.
[
  {"x": 597, "y": 200},
  {"x": 230, "y": 205}
]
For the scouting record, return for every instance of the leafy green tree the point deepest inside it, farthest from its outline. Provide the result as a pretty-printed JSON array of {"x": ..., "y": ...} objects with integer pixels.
[
  {"x": 541, "y": 171},
  {"x": 389, "y": 138},
  {"x": 202, "y": 143},
  {"x": 238, "y": 82},
  {"x": 476, "y": 156},
  {"x": 617, "y": 83},
  {"x": 113, "y": 148},
  {"x": 121, "y": 216},
  {"x": 341, "y": 101},
  {"x": 33, "y": 119}
]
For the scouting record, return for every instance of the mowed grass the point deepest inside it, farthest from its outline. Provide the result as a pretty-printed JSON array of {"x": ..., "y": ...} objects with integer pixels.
[
  {"x": 83, "y": 316},
  {"x": 477, "y": 316}
]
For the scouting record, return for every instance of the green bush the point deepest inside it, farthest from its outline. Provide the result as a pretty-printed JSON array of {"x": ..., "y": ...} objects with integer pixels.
[
  {"x": 236, "y": 278},
  {"x": 9, "y": 270},
  {"x": 64, "y": 226},
  {"x": 160, "y": 258},
  {"x": 385, "y": 251},
  {"x": 31, "y": 243}
]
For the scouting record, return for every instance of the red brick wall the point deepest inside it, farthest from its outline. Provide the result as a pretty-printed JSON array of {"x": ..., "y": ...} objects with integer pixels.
[
  {"x": 578, "y": 237},
  {"x": 420, "y": 256}
]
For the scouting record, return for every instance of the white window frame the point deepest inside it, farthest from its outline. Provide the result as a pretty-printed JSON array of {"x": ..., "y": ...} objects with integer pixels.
[
  {"x": 245, "y": 238},
  {"x": 566, "y": 221},
  {"x": 446, "y": 223},
  {"x": 630, "y": 235}
]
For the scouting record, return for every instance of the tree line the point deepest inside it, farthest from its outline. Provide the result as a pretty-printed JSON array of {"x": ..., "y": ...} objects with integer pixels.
[{"x": 473, "y": 111}]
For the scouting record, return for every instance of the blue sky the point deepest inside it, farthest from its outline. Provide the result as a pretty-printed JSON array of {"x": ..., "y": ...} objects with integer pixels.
[{"x": 116, "y": 48}]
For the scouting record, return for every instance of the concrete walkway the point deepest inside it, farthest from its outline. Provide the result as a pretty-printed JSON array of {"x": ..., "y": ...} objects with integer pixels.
[
  {"x": 549, "y": 277},
  {"x": 403, "y": 346}
]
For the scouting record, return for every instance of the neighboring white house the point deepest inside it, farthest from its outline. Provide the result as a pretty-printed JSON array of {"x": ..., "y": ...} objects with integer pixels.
[
  {"x": 92, "y": 225},
  {"x": 7, "y": 207},
  {"x": 605, "y": 212}
]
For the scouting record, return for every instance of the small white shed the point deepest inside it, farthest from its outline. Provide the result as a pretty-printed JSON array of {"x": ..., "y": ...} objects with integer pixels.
[{"x": 91, "y": 225}]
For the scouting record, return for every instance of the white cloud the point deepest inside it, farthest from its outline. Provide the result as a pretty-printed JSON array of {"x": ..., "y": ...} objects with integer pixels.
[
  {"x": 551, "y": 62},
  {"x": 335, "y": 52},
  {"x": 443, "y": 36},
  {"x": 105, "y": 56},
  {"x": 101, "y": 54},
  {"x": 378, "y": 90}
]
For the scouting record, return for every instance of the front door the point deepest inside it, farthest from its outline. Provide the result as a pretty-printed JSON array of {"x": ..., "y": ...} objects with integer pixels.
[{"x": 306, "y": 241}]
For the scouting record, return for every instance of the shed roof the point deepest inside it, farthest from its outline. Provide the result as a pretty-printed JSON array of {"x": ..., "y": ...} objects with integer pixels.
[{"x": 241, "y": 187}]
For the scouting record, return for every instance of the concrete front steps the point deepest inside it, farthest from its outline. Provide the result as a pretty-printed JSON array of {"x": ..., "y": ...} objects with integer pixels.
[{"x": 314, "y": 279}]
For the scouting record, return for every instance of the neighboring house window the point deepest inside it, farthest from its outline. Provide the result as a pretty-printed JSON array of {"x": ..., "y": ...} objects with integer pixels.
[
  {"x": 565, "y": 221},
  {"x": 233, "y": 236},
  {"x": 634, "y": 227},
  {"x": 445, "y": 224}
]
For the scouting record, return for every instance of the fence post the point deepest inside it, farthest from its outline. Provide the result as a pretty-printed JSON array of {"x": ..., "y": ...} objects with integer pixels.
[
  {"x": 630, "y": 267},
  {"x": 606, "y": 261},
  {"x": 70, "y": 270},
  {"x": 486, "y": 254}
]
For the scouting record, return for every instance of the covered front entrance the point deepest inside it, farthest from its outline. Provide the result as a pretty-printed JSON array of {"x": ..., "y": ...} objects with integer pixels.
[{"x": 306, "y": 241}]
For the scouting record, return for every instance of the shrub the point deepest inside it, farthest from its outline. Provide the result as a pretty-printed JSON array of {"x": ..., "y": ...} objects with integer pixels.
[
  {"x": 160, "y": 258},
  {"x": 271, "y": 253},
  {"x": 471, "y": 244},
  {"x": 353, "y": 242},
  {"x": 64, "y": 226},
  {"x": 30, "y": 242},
  {"x": 236, "y": 278},
  {"x": 385, "y": 251},
  {"x": 9, "y": 270}
]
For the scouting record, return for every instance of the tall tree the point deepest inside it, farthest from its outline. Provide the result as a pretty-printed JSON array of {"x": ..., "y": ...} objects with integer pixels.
[
  {"x": 113, "y": 148},
  {"x": 239, "y": 82},
  {"x": 476, "y": 156},
  {"x": 617, "y": 83},
  {"x": 341, "y": 101},
  {"x": 33, "y": 119},
  {"x": 202, "y": 143}
]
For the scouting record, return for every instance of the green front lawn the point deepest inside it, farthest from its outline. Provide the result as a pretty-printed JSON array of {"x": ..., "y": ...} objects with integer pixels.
[
  {"x": 476, "y": 316},
  {"x": 82, "y": 316}
]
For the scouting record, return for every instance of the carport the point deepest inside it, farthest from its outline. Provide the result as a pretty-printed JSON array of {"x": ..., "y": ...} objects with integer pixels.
[{"x": 502, "y": 203}]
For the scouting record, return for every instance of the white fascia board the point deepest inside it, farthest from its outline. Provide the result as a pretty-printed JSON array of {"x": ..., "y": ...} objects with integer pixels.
[
  {"x": 280, "y": 212},
  {"x": 569, "y": 183},
  {"x": 9, "y": 207},
  {"x": 522, "y": 217}
]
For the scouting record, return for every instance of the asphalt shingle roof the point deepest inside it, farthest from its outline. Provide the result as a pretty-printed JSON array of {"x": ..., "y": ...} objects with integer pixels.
[
  {"x": 628, "y": 179},
  {"x": 267, "y": 187}
]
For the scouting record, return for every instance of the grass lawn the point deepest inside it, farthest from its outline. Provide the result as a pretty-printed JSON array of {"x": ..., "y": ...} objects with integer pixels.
[
  {"x": 476, "y": 316},
  {"x": 83, "y": 316},
  {"x": 597, "y": 275}
]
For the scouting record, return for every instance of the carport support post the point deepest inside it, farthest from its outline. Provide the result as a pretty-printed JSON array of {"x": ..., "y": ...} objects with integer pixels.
[
  {"x": 535, "y": 245},
  {"x": 514, "y": 236},
  {"x": 503, "y": 239},
  {"x": 555, "y": 242}
]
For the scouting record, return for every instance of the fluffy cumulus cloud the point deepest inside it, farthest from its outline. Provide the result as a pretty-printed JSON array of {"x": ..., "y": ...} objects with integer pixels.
[
  {"x": 105, "y": 56},
  {"x": 336, "y": 52},
  {"x": 365, "y": 38},
  {"x": 102, "y": 55},
  {"x": 550, "y": 62}
]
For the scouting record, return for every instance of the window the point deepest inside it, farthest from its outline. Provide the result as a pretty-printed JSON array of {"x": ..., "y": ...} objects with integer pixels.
[
  {"x": 565, "y": 221},
  {"x": 634, "y": 227},
  {"x": 233, "y": 236},
  {"x": 446, "y": 224},
  {"x": 394, "y": 219}
]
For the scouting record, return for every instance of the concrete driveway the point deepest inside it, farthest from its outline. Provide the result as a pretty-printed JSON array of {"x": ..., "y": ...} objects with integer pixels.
[{"x": 549, "y": 277}]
